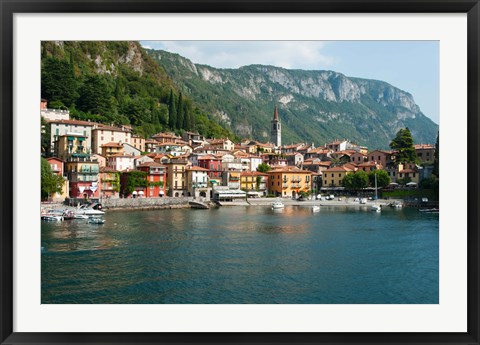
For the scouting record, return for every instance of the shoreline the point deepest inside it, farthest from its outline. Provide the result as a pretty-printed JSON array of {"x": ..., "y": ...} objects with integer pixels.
[{"x": 348, "y": 202}]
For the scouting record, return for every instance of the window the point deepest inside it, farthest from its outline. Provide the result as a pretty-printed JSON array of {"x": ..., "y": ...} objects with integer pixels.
[{"x": 414, "y": 174}]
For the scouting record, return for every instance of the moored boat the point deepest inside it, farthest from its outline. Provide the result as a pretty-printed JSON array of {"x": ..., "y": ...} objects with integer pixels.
[
  {"x": 277, "y": 205},
  {"x": 376, "y": 208},
  {"x": 315, "y": 208}
]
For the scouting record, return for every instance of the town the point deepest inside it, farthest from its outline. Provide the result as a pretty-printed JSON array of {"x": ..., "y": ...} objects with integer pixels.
[{"x": 94, "y": 161}]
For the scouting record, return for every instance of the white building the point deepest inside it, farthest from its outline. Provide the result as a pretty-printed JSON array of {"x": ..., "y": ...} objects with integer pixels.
[
  {"x": 107, "y": 134},
  {"x": 121, "y": 162}
]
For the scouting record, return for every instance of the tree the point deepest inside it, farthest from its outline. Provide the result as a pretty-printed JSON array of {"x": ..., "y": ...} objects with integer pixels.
[
  {"x": 58, "y": 81},
  {"x": 180, "y": 112},
  {"x": 96, "y": 96},
  {"x": 172, "y": 112},
  {"x": 347, "y": 181},
  {"x": 360, "y": 180},
  {"x": 45, "y": 138},
  {"x": 383, "y": 179},
  {"x": 50, "y": 182},
  {"x": 403, "y": 144},
  {"x": 436, "y": 170},
  {"x": 263, "y": 167}
]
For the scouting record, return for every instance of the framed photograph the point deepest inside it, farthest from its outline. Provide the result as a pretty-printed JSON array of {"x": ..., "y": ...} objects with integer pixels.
[{"x": 239, "y": 172}]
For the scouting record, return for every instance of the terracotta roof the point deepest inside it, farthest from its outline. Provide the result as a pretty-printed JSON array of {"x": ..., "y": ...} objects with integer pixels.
[
  {"x": 151, "y": 164},
  {"x": 338, "y": 169},
  {"x": 289, "y": 169},
  {"x": 112, "y": 144},
  {"x": 169, "y": 143},
  {"x": 74, "y": 122},
  {"x": 195, "y": 168},
  {"x": 107, "y": 169},
  {"x": 407, "y": 171},
  {"x": 253, "y": 173},
  {"x": 110, "y": 128},
  {"x": 423, "y": 146}
]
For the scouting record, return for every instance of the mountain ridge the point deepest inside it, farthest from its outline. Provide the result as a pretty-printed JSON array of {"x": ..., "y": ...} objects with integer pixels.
[{"x": 334, "y": 105}]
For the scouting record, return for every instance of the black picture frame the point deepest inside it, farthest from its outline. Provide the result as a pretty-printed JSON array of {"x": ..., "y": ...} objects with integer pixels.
[{"x": 10, "y": 7}]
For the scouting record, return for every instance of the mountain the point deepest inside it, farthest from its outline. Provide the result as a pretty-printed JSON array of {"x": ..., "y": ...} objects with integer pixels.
[{"x": 314, "y": 106}]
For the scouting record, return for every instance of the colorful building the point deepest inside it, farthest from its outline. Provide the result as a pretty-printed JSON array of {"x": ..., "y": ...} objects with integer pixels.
[
  {"x": 82, "y": 174},
  {"x": 157, "y": 179},
  {"x": 289, "y": 181},
  {"x": 333, "y": 177}
]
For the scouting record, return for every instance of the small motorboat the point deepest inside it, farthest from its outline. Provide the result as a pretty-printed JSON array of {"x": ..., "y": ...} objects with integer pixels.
[
  {"x": 277, "y": 205},
  {"x": 376, "y": 208},
  {"x": 96, "y": 220},
  {"x": 316, "y": 208},
  {"x": 52, "y": 218}
]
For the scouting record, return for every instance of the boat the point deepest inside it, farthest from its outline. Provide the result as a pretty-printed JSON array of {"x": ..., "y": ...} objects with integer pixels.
[
  {"x": 96, "y": 220},
  {"x": 395, "y": 205},
  {"x": 52, "y": 217},
  {"x": 376, "y": 208},
  {"x": 80, "y": 216},
  {"x": 89, "y": 210},
  {"x": 277, "y": 205},
  {"x": 315, "y": 208}
]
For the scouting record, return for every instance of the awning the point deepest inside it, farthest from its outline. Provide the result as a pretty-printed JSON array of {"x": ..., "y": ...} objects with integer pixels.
[
  {"x": 141, "y": 192},
  {"x": 162, "y": 192}
]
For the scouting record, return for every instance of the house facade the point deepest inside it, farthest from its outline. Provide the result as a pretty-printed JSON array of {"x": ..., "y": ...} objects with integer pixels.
[{"x": 289, "y": 182}]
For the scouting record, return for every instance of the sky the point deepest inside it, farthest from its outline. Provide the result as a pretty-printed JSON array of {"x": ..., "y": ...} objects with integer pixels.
[{"x": 412, "y": 66}]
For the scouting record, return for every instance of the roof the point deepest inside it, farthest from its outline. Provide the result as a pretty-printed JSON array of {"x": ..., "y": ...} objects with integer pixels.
[
  {"x": 74, "y": 122},
  {"x": 424, "y": 147},
  {"x": 289, "y": 169},
  {"x": 253, "y": 173},
  {"x": 107, "y": 169},
  {"x": 112, "y": 144},
  {"x": 151, "y": 164},
  {"x": 338, "y": 169},
  {"x": 195, "y": 168},
  {"x": 119, "y": 155},
  {"x": 407, "y": 171},
  {"x": 110, "y": 128}
]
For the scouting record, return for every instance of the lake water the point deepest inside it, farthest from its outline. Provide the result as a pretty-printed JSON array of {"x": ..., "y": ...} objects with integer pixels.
[{"x": 243, "y": 255}]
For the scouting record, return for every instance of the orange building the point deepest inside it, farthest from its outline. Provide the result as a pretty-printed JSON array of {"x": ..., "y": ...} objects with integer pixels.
[{"x": 289, "y": 181}]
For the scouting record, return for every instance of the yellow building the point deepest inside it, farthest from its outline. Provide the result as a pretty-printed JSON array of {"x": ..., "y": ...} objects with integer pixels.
[
  {"x": 70, "y": 144},
  {"x": 254, "y": 181},
  {"x": 176, "y": 177},
  {"x": 110, "y": 149},
  {"x": 333, "y": 177},
  {"x": 289, "y": 181}
]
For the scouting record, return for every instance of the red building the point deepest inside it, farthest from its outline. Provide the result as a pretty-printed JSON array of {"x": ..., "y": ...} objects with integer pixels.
[
  {"x": 157, "y": 179},
  {"x": 212, "y": 164}
]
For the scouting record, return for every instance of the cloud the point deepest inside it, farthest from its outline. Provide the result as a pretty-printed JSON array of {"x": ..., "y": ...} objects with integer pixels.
[{"x": 234, "y": 54}]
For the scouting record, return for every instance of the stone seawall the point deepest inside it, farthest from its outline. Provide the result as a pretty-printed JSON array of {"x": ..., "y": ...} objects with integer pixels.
[{"x": 144, "y": 203}]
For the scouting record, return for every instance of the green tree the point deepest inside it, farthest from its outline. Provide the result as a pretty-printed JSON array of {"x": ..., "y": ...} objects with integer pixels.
[
  {"x": 45, "y": 138},
  {"x": 172, "y": 112},
  {"x": 383, "y": 179},
  {"x": 96, "y": 96},
  {"x": 436, "y": 170},
  {"x": 50, "y": 182},
  {"x": 403, "y": 144},
  {"x": 58, "y": 81},
  {"x": 347, "y": 181},
  {"x": 180, "y": 112},
  {"x": 263, "y": 167},
  {"x": 360, "y": 180}
]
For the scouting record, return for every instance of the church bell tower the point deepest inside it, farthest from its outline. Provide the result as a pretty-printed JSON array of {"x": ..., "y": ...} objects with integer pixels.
[{"x": 276, "y": 134}]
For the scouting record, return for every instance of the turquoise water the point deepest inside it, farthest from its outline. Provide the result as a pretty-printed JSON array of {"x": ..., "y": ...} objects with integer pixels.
[{"x": 243, "y": 255}]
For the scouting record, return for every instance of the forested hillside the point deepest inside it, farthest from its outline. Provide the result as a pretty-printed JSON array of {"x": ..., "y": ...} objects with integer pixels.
[{"x": 117, "y": 82}]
